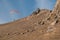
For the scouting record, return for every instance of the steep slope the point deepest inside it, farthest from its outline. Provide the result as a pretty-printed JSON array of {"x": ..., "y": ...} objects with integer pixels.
[{"x": 41, "y": 25}]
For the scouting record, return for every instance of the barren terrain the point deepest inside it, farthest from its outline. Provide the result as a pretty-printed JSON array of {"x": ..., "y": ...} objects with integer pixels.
[{"x": 43, "y": 24}]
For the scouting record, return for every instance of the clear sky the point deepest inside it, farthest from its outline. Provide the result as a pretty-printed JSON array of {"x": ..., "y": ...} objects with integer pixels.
[{"x": 15, "y": 9}]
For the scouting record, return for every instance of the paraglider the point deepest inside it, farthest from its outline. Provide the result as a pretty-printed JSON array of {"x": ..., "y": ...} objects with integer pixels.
[
  {"x": 14, "y": 11},
  {"x": 14, "y": 14}
]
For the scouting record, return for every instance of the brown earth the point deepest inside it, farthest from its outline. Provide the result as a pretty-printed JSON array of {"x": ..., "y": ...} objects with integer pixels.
[{"x": 41, "y": 25}]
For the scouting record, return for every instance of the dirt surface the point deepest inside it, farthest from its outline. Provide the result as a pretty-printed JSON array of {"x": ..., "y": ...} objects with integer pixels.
[{"x": 41, "y": 25}]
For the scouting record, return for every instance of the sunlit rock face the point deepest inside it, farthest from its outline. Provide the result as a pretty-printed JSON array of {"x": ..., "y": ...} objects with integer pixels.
[
  {"x": 57, "y": 6},
  {"x": 41, "y": 25}
]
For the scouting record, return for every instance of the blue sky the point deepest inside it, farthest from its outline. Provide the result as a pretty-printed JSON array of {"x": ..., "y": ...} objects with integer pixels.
[{"x": 15, "y": 9}]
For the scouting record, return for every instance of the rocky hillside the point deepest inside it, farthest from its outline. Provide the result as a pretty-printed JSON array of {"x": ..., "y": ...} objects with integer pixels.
[{"x": 43, "y": 24}]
